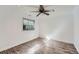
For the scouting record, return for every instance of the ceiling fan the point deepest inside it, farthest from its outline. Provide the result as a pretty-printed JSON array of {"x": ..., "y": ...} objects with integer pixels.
[{"x": 42, "y": 10}]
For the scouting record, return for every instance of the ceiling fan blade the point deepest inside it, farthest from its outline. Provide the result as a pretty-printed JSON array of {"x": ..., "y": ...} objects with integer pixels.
[
  {"x": 49, "y": 10},
  {"x": 46, "y": 13},
  {"x": 38, "y": 14}
]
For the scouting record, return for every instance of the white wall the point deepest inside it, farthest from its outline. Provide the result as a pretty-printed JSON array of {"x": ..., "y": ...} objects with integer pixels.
[
  {"x": 59, "y": 25},
  {"x": 11, "y": 33},
  {"x": 76, "y": 27}
]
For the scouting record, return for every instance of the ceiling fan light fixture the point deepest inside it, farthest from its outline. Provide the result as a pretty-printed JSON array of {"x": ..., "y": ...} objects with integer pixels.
[{"x": 43, "y": 11}]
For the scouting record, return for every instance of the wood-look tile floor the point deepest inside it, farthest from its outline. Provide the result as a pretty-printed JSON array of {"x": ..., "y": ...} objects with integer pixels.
[{"x": 42, "y": 46}]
